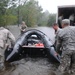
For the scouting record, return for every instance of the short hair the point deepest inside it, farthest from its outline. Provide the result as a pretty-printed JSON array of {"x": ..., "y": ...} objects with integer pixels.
[
  {"x": 66, "y": 21},
  {"x": 55, "y": 24}
]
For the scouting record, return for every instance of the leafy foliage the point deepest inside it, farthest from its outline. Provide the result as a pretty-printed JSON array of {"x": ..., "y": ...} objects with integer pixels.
[
  {"x": 51, "y": 20},
  {"x": 16, "y": 11}
]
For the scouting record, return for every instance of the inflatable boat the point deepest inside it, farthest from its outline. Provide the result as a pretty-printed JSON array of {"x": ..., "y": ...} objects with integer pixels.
[{"x": 33, "y": 43}]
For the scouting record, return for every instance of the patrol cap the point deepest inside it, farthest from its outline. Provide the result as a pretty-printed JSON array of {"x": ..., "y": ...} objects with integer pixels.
[{"x": 66, "y": 21}]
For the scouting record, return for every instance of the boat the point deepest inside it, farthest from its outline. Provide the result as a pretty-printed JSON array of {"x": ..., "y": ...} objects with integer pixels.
[{"x": 33, "y": 43}]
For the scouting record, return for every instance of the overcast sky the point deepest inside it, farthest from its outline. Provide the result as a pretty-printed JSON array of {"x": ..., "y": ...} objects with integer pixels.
[{"x": 51, "y": 5}]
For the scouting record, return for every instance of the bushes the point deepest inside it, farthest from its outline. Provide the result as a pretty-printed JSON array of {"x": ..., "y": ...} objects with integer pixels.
[{"x": 7, "y": 20}]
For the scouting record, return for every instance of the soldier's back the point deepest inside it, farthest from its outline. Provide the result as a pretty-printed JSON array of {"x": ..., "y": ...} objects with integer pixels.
[{"x": 67, "y": 35}]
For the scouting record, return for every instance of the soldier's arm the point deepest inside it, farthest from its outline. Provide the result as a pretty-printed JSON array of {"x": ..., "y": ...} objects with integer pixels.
[
  {"x": 58, "y": 44},
  {"x": 26, "y": 26},
  {"x": 12, "y": 38},
  {"x": 21, "y": 28}
]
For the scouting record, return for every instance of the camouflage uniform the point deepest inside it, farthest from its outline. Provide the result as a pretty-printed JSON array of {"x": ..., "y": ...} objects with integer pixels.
[
  {"x": 66, "y": 40},
  {"x": 23, "y": 28},
  {"x": 4, "y": 36},
  {"x": 56, "y": 37}
]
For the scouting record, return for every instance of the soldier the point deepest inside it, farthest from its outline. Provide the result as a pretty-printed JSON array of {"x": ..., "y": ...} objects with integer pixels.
[
  {"x": 71, "y": 18},
  {"x": 57, "y": 30},
  {"x": 23, "y": 27},
  {"x": 4, "y": 36},
  {"x": 66, "y": 39},
  {"x": 60, "y": 18}
]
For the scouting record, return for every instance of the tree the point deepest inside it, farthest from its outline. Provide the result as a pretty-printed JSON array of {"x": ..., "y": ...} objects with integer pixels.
[
  {"x": 51, "y": 20},
  {"x": 44, "y": 18},
  {"x": 30, "y": 12},
  {"x": 4, "y": 5},
  {"x": 14, "y": 11}
]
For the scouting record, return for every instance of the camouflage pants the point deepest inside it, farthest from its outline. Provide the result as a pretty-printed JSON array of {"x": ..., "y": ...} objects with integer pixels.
[
  {"x": 1, "y": 59},
  {"x": 67, "y": 61}
]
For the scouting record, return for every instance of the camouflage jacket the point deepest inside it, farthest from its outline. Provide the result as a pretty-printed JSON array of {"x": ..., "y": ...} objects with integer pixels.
[
  {"x": 23, "y": 27},
  {"x": 66, "y": 38},
  {"x": 56, "y": 37},
  {"x": 4, "y": 36}
]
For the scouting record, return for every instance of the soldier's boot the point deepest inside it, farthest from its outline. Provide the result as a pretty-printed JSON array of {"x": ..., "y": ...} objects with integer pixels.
[
  {"x": 7, "y": 65},
  {"x": 2, "y": 67}
]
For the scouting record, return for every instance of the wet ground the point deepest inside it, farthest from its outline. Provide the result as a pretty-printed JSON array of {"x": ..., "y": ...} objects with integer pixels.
[{"x": 32, "y": 66}]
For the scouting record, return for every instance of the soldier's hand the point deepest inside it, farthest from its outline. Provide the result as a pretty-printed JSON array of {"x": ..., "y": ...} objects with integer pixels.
[{"x": 6, "y": 46}]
